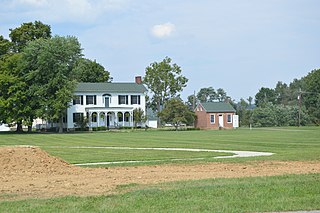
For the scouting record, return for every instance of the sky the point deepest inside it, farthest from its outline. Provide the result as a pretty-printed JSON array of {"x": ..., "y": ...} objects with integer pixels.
[{"x": 237, "y": 45}]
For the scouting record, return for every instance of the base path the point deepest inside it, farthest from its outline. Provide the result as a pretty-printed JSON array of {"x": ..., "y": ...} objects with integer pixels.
[{"x": 236, "y": 154}]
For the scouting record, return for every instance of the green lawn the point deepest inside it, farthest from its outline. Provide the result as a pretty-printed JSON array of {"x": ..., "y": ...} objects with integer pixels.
[
  {"x": 259, "y": 194},
  {"x": 287, "y": 144}
]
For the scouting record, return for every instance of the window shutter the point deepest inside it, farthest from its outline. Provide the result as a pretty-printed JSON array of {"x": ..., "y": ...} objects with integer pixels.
[
  {"x": 81, "y": 99},
  {"x": 95, "y": 100}
]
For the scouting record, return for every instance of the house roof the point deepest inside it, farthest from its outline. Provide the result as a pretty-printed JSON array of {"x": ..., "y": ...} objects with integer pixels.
[
  {"x": 111, "y": 87},
  {"x": 218, "y": 107}
]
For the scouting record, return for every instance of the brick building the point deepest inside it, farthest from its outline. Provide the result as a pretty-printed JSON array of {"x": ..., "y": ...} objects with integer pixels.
[{"x": 215, "y": 115}]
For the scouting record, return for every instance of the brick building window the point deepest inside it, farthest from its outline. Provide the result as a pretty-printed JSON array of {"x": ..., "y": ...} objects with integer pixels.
[
  {"x": 212, "y": 119},
  {"x": 229, "y": 118}
]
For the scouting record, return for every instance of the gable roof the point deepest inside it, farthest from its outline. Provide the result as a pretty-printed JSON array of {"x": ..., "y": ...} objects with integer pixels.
[
  {"x": 111, "y": 87},
  {"x": 218, "y": 107}
]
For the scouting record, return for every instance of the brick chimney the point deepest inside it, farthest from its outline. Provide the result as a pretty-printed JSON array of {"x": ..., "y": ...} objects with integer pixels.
[{"x": 138, "y": 80}]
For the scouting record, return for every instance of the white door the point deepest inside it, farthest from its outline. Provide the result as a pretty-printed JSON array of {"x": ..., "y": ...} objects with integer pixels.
[
  {"x": 220, "y": 120},
  {"x": 235, "y": 121}
]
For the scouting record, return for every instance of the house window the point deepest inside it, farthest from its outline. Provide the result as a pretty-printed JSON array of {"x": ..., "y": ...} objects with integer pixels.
[
  {"x": 78, "y": 100},
  {"x": 126, "y": 116},
  {"x": 212, "y": 117},
  {"x": 135, "y": 99},
  {"x": 229, "y": 118},
  {"x": 77, "y": 117},
  {"x": 94, "y": 117},
  {"x": 91, "y": 99},
  {"x": 120, "y": 116},
  {"x": 123, "y": 99}
]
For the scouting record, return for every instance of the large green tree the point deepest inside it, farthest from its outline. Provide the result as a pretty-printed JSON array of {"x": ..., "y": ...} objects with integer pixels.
[
  {"x": 176, "y": 113},
  {"x": 91, "y": 71},
  {"x": 20, "y": 105},
  {"x": 164, "y": 81},
  {"x": 20, "y": 36},
  {"x": 15, "y": 100},
  {"x": 48, "y": 65}
]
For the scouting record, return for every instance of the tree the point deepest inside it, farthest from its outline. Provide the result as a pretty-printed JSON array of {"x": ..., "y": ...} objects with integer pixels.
[
  {"x": 207, "y": 95},
  {"x": 164, "y": 81},
  {"x": 264, "y": 116},
  {"x": 176, "y": 113},
  {"x": 242, "y": 111},
  {"x": 312, "y": 95},
  {"x": 192, "y": 101},
  {"x": 282, "y": 93},
  {"x": 15, "y": 100},
  {"x": 12, "y": 99},
  {"x": 5, "y": 46},
  {"x": 264, "y": 96},
  {"x": 222, "y": 95},
  {"x": 20, "y": 36},
  {"x": 138, "y": 116},
  {"x": 91, "y": 71},
  {"x": 48, "y": 66},
  {"x": 21, "y": 106}
]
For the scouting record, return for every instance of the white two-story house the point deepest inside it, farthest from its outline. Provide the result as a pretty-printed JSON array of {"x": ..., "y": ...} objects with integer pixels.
[{"x": 106, "y": 104}]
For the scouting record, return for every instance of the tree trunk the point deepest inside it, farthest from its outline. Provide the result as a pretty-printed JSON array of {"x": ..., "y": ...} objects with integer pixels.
[
  {"x": 19, "y": 126},
  {"x": 158, "y": 117},
  {"x": 61, "y": 124},
  {"x": 30, "y": 124}
]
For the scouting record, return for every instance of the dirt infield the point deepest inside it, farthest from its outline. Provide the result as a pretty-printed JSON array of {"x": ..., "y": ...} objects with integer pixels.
[{"x": 31, "y": 172}]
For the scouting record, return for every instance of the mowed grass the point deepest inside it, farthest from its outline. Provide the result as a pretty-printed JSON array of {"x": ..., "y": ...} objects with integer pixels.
[
  {"x": 258, "y": 194},
  {"x": 286, "y": 143}
]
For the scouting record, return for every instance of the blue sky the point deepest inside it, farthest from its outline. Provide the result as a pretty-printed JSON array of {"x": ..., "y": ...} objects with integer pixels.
[{"x": 237, "y": 45}]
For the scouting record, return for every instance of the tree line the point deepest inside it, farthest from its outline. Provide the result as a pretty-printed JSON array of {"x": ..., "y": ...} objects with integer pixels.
[{"x": 293, "y": 104}]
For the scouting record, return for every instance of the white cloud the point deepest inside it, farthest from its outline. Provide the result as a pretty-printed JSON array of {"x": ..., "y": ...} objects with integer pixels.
[{"x": 163, "y": 30}]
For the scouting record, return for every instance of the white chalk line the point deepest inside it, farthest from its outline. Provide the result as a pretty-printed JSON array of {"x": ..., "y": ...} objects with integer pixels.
[{"x": 236, "y": 154}]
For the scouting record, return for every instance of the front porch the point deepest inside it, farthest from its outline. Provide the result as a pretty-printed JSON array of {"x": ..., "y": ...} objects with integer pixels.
[{"x": 110, "y": 117}]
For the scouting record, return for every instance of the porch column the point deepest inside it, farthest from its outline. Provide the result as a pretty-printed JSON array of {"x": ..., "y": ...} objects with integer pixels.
[
  {"x": 89, "y": 121},
  {"x": 122, "y": 118},
  {"x": 131, "y": 119},
  {"x": 98, "y": 119}
]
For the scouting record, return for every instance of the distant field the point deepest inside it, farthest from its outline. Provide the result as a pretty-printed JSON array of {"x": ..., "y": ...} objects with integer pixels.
[{"x": 253, "y": 194}]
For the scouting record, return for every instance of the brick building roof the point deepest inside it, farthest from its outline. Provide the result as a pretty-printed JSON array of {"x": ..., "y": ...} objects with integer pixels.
[{"x": 218, "y": 107}]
